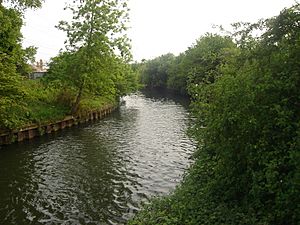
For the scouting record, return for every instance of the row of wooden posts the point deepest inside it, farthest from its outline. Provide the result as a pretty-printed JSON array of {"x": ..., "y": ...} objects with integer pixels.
[{"x": 39, "y": 130}]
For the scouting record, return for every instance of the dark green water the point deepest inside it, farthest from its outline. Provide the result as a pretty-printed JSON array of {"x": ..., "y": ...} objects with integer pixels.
[{"x": 97, "y": 173}]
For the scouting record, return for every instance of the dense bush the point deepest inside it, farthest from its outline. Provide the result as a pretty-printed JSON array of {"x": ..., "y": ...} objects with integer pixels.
[{"x": 248, "y": 131}]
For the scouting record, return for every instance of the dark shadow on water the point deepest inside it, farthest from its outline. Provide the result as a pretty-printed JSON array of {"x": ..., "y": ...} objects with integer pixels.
[{"x": 161, "y": 94}]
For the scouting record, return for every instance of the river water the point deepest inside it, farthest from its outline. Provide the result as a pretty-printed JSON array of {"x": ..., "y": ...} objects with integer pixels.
[{"x": 101, "y": 172}]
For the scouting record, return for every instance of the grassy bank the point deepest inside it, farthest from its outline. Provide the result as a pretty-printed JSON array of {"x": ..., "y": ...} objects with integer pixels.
[{"x": 43, "y": 104}]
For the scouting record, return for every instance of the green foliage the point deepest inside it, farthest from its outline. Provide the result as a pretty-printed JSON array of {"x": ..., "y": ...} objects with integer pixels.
[
  {"x": 135, "y": 78},
  {"x": 177, "y": 75},
  {"x": 10, "y": 36},
  {"x": 62, "y": 71},
  {"x": 205, "y": 58},
  {"x": 116, "y": 80},
  {"x": 91, "y": 64},
  {"x": 11, "y": 95},
  {"x": 11, "y": 59},
  {"x": 23, "y": 4},
  {"x": 200, "y": 62},
  {"x": 247, "y": 124},
  {"x": 155, "y": 72},
  {"x": 90, "y": 104},
  {"x": 46, "y": 103},
  {"x": 94, "y": 70},
  {"x": 42, "y": 104},
  {"x": 42, "y": 113},
  {"x": 125, "y": 79},
  {"x": 10, "y": 33}
]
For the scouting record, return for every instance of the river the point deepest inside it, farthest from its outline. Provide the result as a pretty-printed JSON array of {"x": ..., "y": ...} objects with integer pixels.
[{"x": 101, "y": 172}]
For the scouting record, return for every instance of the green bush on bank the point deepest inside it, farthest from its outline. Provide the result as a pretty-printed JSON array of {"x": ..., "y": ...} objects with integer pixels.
[
  {"x": 42, "y": 103},
  {"x": 247, "y": 168}
]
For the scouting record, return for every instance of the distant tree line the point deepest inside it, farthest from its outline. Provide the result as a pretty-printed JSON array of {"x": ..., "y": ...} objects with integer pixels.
[
  {"x": 245, "y": 90},
  {"x": 200, "y": 60}
]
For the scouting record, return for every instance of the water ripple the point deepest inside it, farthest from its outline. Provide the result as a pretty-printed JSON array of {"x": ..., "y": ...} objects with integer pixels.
[{"x": 97, "y": 173}]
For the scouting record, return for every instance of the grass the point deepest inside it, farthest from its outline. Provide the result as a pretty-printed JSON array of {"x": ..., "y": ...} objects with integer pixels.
[{"x": 45, "y": 105}]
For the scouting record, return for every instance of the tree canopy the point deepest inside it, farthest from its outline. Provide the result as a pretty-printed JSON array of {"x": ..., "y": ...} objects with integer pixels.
[
  {"x": 23, "y": 4},
  {"x": 12, "y": 60},
  {"x": 199, "y": 62},
  {"x": 96, "y": 47}
]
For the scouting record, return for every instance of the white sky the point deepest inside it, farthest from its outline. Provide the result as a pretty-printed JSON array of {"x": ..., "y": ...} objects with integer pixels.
[{"x": 157, "y": 26}]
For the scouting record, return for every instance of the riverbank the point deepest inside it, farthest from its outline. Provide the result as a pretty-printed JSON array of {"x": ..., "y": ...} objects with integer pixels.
[
  {"x": 35, "y": 130},
  {"x": 245, "y": 103},
  {"x": 47, "y": 109}
]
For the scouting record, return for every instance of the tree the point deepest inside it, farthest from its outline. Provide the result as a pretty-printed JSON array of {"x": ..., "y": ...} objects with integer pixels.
[
  {"x": 155, "y": 72},
  {"x": 11, "y": 93},
  {"x": 199, "y": 63},
  {"x": 96, "y": 42},
  {"x": 13, "y": 62},
  {"x": 205, "y": 59},
  {"x": 178, "y": 75},
  {"x": 23, "y": 4}
]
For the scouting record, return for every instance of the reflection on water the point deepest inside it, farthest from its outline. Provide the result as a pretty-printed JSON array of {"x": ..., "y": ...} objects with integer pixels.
[{"x": 98, "y": 173}]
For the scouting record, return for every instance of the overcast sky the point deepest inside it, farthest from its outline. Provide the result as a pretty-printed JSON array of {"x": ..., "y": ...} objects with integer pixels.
[{"x": 157, "y": 26}]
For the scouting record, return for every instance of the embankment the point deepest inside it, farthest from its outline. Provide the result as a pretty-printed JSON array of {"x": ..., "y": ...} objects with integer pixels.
[{"x": 36, "y": 130}]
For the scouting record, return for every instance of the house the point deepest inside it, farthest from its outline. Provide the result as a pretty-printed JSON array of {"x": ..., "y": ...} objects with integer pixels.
[{"x": 38, "y": 70}]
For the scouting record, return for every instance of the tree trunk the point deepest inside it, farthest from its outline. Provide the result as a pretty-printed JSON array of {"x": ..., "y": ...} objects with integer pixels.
[{"x": 78, "y": 98}]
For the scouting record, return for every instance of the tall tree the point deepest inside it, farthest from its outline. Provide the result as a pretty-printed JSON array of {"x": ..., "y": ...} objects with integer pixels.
[
  {"x": 96, "y": 39},
  {"x": 12, "y": 61},
  {"x": 10, "y": 52}
]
